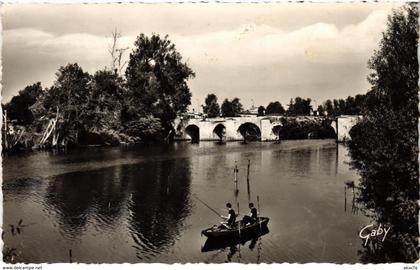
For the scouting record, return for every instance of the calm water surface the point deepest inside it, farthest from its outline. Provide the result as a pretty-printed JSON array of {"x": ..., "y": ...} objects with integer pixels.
[{"x": 139, "y": 204}]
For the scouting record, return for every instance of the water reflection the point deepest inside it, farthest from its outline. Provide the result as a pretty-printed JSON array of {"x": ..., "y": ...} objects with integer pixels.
[
  {"x": 22, "y": 186},
  {"x": 156, "y": 196},
  {"x": 136, "y": 204},
  {"x": 159, "y": 203},
  {"x": 80, "y": 196}
]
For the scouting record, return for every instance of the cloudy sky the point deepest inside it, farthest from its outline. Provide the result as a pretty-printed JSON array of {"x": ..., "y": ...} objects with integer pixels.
[{"x": 259, "y": 52}]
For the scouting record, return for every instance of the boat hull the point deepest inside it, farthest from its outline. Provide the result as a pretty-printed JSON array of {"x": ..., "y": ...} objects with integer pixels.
[
  {"x": 216, "y": 232},
  {"x": 213, "y": 244}
]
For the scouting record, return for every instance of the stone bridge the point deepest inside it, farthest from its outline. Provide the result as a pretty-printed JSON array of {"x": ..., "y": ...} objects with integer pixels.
[{"x": 264, "y": 128}]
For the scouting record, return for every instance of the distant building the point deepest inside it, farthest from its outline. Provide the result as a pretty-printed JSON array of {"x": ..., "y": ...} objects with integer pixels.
[
  {"x": 192, "y": 114},
  {"x": 253, "y": 111}
]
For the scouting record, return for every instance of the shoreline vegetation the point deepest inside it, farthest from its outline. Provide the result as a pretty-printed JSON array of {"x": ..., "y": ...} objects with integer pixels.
[
  {"x": 135, "y": 102},
  {"x": 384, "y": 146}
]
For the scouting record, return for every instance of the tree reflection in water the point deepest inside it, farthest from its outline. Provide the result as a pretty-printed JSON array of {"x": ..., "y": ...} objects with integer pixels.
[
  {"x": 78, "y": 197},
  {"x": 160, "y": 202},
  {"x": 155, "y": 195}
]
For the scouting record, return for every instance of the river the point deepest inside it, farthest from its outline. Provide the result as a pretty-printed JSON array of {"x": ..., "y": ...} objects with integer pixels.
[{"x": 138, "y": 204}]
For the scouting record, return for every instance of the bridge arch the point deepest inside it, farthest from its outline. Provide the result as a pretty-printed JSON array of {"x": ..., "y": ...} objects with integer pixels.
[
  {"x": 193, "y": 131},
  {"x": 250, "y": 131},
  {"x": 351, "y": 130},
  {"x": 329, "y": 132},
  {"x": 219, "y": 131}
]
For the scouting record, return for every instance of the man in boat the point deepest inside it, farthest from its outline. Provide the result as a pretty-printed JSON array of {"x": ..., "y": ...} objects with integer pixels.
[
  {"x": 230, "y": 219},
  {"x": 252, "y": 217}
]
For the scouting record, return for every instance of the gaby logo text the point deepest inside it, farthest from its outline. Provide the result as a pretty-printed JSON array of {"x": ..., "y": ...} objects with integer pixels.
[{"x": 368, "y": 232}]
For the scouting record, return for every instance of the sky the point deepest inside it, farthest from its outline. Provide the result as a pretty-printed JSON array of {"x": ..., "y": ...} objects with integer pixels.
[{"x": 257, "y": 52}]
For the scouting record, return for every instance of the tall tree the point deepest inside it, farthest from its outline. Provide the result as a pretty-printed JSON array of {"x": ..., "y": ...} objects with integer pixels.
[
  {"x": 237, "y": 106},
  {"x": 337, "y": 109},
  {"x": 343, "y": 106},
  {"x": 70, "y": 93},
  {"x": 211, "y": 107},
  {"x": 300, "y": 106},
  {"x": 329, "y": 108},
  {"x": 274, "y": 108},
  {"x": 117, "y": 53},
  {"x": 261, "y": 111},
  {"x": 157, "y": 79},
  {"x": 384, "y": 146},
  {"x": 231, "y": 108}
]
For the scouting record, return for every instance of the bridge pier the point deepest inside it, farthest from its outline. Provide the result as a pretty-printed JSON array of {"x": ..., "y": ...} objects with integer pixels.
[{"x": 344, "y": 124}]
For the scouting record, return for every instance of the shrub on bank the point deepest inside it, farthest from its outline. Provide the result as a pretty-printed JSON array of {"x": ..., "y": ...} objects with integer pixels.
[{"x": 292, "y": 129}]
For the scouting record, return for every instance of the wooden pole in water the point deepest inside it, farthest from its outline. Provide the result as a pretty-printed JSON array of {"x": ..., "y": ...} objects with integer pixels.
[
  {"x": 70, "y": 256},
  {"x": 247, "y": 174},
  {"x": 5, "y": 129},
  {"x": 345, "y": 199},
  {"x": 239, "y": 223},
  {"x": 236, "y": 177},
  {"x": 247, "y": 182}
]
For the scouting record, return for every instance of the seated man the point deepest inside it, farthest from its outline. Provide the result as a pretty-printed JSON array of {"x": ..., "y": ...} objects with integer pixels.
[
  {"x": 252, "y": 217},
  {"x": 230, "y": 219}
]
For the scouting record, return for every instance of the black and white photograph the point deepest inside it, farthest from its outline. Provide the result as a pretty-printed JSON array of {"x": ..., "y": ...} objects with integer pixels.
[{"x": 251, "y": 133}]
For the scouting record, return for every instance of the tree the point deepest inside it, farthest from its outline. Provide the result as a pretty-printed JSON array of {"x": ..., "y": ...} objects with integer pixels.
[
  {"x": 342, "y": 106},
  {"x": 106, "y": 98},
  {"x": 231, "y": 108},
  {"x": 157, "y": 79},
  {"x": 384, "y": 145},
  {"x": 274, "y": 108},
  {"x": 70, "y": 93},
  {"x": 349, "y": 106},
  {"x": 261, "y": 111},
  {"x": 337, "y": 109},
  {"x": 359, "y": 103},
  {"x": 300, "y": 106},
  {"x": 18, "y": 108},
  {"x": 329, "y": 108},
  {"x": 321, "y": 110},
  {"x": 211, "y": 107},
  {"x": 290, "y": 106},
  {"x": 117, "y": 53}
]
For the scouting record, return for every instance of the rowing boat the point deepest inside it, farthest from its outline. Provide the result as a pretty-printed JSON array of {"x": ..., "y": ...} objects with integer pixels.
[
  {"x": 213, "y": 243},
  {"x": 236, "y": 231}
]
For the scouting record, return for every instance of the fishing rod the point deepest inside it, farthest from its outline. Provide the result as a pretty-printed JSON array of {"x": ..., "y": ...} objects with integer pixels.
[{"x": 208, "y": 206}]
